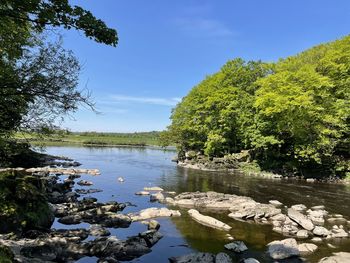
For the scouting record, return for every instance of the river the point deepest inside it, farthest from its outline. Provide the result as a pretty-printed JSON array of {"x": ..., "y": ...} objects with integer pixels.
[{"x": 142, "y": 167}]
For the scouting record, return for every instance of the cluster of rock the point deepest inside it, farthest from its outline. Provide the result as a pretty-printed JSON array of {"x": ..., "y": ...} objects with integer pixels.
[
  {"x": 296, "y": 221},
  {"x": 50, "y": 245}
]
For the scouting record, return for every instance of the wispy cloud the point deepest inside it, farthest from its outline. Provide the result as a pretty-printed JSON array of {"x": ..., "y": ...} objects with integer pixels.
[
  {"x": 145, "y": 100},
  {"x": 200, "y": 26}
]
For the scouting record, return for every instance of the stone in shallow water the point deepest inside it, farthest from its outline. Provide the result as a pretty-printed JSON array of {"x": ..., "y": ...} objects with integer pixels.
[
  {"x": 302, "y": 234},
  {"x": 340, "y": 257},
  {"x": 307, "y": 248},
  {"x": 97, "y": 230},
  {"x": 275, "y": 202},
  {"x": 283, "y": 248},
  {"x": 299, "y": 207},
  {"x": 142, "y": 193},
  {"x": 223, "y": 258},
  {"x": 208, "y": 220},
  {"x": 194, "y": 258},
  {"x": 236, "y": 246}
]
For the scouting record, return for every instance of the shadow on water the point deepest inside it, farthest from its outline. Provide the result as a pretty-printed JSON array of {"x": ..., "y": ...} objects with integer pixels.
[{"x": 142, "y": 167}]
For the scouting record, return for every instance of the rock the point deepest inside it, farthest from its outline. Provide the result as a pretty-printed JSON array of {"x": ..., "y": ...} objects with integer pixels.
[
  {"x": 208, "y": 221},
  {"x": 157, "y": 197},
  {"x": 87, "y": 191},
  {"x": 300, "y": 219},
  {"x": 316, "y": 239},
  {"x": 320, "y": 231},
  {"x": 85, "y": 183},
  {"x": 142, "y": 193},
  {"x": 97, "y": 230},
  {"x": 283, "y": 249},
  {"x": 339, "y": 233},
  {"x": 70, "y": 220},
  {"x": 299, "y": 207},
  {"x": 194, "y": 258},
  {"x": 222, "y": 258},
  {"x": 107, "y": 260},
  {"x": 275, "y": 203},
  {"x": 307, "y": 248},
  {"x": 302, "y": 234},
  {"x": 340, "y": 257},
  {"x": 250, "y": 260},
  {"x": 336, "y": 220},
  {"x": 236, "y": 246},
  {"x": 153, "y": 224},
  {"x": 310, "y": 180},
  {"x": 153, "y": 212},
  {"x": 318, "y": 207},
  {"x": 153, "y": 188},
  {"x": 120, "y": 179}
]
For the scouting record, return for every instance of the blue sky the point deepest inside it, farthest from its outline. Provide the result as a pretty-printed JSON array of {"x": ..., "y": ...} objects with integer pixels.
[{"x": 167, "y": 47}]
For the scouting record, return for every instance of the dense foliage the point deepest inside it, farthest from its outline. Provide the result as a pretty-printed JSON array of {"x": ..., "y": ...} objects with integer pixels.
[
  {"x": 38, "y": 79},
  {"x": 293, "y": 114}
]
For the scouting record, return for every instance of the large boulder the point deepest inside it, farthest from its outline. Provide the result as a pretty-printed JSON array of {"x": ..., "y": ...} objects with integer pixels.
[{"x": 153, "y": 212}]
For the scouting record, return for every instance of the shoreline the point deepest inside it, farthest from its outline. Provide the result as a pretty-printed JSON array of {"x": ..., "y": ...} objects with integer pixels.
[{"x": 262, "y": 174}]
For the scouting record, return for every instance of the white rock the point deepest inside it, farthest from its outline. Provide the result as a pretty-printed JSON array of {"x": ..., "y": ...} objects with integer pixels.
[
  {"x": 153, "y": 212},
  {"x": 275, "y": 203},
  {"x": 142, "y": 193},
  {"x": 299, "y": 207},
  {"x": 208, "y": 220},
  {"x": 153, "y": 188},
  {"x": 302, "y": 234},
  {"x": 320, "y": 231},
  {"x": 300, "y": 219},
  {"x": 157, "y": 197}
]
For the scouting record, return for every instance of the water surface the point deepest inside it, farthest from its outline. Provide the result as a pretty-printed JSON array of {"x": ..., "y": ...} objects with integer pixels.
[{"x": 142, "y": 167}]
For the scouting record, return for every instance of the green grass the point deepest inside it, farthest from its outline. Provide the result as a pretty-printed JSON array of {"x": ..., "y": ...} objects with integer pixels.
[{"x": 94, "y": 138}]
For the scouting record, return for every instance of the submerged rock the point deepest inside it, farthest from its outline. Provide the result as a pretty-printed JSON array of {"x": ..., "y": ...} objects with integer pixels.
[
  {"x": 283, "y": 249},
  {"x": 340, "y": 257},
  {"x": 236, "y": 246},
  {"x": 208, "y": 220},
  {"x": 85, "y": 183}
]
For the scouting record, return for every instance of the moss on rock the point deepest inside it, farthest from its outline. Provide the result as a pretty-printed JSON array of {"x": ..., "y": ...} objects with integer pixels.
[{"x": 23, "y": 203}]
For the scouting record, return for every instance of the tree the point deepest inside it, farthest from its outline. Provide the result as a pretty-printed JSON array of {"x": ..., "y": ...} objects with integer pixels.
[{"x": 293, "y": 114}]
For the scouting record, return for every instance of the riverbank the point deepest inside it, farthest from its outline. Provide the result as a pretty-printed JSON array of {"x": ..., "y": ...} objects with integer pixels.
[
  {"x": 137, "y": 139},
  {"x": 242, "y": 163}
]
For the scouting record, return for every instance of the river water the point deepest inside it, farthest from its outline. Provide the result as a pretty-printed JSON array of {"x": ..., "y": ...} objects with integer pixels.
[{"x": 142, "y": 167}]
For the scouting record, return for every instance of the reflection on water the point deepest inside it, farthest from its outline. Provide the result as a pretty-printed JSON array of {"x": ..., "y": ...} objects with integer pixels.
[{"x": 153, "y": 167}]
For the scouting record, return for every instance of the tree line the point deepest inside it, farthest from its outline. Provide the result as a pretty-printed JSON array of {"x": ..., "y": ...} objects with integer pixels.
[{"x": 292, "y": 115}]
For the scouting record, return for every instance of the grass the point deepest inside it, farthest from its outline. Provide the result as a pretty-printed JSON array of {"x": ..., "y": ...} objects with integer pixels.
[{"x": 94, "y": 138}]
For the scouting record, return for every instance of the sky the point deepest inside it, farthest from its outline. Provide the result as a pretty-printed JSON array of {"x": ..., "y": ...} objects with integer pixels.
[{"x": 167, "y": 47}]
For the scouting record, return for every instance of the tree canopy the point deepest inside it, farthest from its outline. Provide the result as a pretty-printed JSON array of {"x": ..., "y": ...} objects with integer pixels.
[
  {"x": 38, "y": 78},
  {"x": 294, "y": 113}
]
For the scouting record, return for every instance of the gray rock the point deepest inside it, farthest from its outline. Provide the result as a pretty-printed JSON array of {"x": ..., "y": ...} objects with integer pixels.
[
  {"x": 250, "y": 260},
  {"x": 97, "y": 230},
  {"x": 300, "y": 219},
  {"x": 194, "y": 258},
  {"x": 236, "y": 246},
  {"x": 275, "y": 203},
  {"x": 153, "y": 224},
  {"x": 157, "y": 197},
  {"x": 222, "y": 258},
  {"x": 283, "y": 249}
]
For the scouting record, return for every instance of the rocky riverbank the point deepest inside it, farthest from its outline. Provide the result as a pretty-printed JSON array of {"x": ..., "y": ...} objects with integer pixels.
[{"x": 242, "y": 163}]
